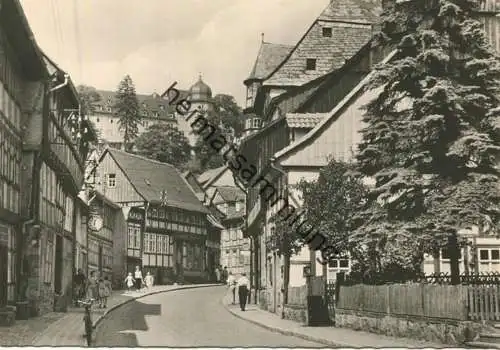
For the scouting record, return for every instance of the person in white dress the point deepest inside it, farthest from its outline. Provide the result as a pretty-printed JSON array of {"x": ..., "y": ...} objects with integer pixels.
[{"x": 231, "y": 284}]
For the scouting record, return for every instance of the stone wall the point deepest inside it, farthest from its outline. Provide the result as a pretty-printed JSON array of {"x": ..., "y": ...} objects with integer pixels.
[
  {"x": 297, "y": 313},
  {"x": 433, "y": 330}
]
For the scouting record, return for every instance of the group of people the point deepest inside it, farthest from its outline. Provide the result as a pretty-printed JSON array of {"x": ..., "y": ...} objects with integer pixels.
[
  {"x": 138, "y": 281},
  {"x": 95, "y": 287},
  {"x": 221, "y": 274},
  {"x": 243, "y": 286}
]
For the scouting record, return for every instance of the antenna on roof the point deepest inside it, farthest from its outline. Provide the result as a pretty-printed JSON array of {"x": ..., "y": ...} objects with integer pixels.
[{"x": 262, "y": 37}]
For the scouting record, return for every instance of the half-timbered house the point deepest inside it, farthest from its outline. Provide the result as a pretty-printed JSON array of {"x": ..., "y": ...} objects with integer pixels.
[
  {"x": 166, "y": 223},
  {"x": 317, "y": 73},
  {"x": 21, "y": 68},
  {"x": 338, "y": 97}
]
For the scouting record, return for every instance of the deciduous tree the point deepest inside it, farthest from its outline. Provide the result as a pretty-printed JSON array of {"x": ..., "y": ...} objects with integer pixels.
[{"x": 165, "y": 143}]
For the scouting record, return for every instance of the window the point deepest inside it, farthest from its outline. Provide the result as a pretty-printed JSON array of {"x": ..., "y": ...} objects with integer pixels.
[
  {"x": 111, "y": 180},
  {"x": 111, "y": 120},
  {"x": 311, "y": 64},
  {"x": 327, "y": 32},
  {"x": 134, "y": 236},
  {"x": 109, "y": 110},
  {"x": 489, "y": 260},
  {"x": 445, "y": 255},
  {"x": 238, "y": 206},
  {"x": 97, "y": 120}
]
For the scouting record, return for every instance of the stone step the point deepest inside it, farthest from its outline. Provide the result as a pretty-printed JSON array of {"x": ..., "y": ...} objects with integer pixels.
[
  {"x": 496, "y": 325},
  {"x": 490, "y": 337},
  {"x": 482, "y": 345}
]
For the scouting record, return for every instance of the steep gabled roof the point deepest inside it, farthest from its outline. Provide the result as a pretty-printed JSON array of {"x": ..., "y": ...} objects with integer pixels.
[
  {"x": 269, "y": 57},
  {"x": 332, "y": 116},
  {"x": 231, "y": 193},
  {"x": 351, "y": 23},
  {"x": 150, "y": 178},
  {"x": 210, "y": 176},
  {"x": 359, "y": 11}
]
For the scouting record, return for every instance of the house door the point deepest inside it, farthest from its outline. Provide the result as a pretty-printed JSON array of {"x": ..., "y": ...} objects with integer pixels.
[
  {"x": 4, "y": 264},
  {"x": 58, "y": 269},
  {"x": 99, "y": 261}
]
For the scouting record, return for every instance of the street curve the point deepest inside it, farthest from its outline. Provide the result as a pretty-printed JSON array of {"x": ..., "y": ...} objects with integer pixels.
[{"x": 186, "y": 318}]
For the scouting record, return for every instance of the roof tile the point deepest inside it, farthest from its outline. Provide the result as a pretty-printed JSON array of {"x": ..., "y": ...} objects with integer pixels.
[
  {"x": 351, "y": 23},
  {"x": 304, "y": 120},
  {"x": 150, "y": 178},
  {"x": 269, "y": 57}
]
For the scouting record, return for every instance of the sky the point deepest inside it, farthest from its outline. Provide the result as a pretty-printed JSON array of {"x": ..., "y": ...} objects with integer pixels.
[{"x": 158, "y": 42}]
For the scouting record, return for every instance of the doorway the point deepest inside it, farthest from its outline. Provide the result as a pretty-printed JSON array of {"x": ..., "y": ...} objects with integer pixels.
[
  {"x": 58, "y": 265},
  {"x": 99, "y": 261}
]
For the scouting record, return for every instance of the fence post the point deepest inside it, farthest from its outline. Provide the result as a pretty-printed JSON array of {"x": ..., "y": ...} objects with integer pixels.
[
  {"x": 338, "y": 283},
  {"x": 388, "y": 299}
]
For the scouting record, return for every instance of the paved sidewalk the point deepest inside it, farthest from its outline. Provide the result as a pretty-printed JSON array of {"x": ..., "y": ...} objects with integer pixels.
[
  {"x": 67, "y": 329},
  {"x": 330, "y": 336}
]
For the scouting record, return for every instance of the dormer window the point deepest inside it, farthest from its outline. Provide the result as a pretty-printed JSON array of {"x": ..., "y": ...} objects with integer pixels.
[
  {"x": 327, "y": 32},
  {"x": 109, "y": 109},
  {"x": 311, "y": 64}
]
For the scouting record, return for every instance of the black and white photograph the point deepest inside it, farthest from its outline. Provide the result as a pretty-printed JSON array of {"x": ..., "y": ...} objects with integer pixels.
[{"x": 250, "y": 173}]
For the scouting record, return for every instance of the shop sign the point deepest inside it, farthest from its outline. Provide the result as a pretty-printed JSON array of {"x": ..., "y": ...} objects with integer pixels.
[{"x": 95, "y": 223}]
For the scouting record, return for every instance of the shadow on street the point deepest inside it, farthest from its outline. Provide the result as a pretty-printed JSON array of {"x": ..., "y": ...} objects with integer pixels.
[{"x": 131, "y": 318}]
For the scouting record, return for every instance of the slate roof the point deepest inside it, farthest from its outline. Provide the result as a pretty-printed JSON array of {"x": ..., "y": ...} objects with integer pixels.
[
  {"x": 210, "y": 174},
  {"x": 149, "y": 104},
  {"x": 231, "y": 194},
  {"x": 269, "y": 57},
  {"x": 150, "y": 178},
  {"x": 359, "y": 11},
  {"x": 304, "y": 120},
  {"x": 351, "y": 23}
]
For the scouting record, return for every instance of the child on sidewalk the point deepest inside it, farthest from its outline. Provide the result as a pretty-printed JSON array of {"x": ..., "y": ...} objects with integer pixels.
[
  {"x": 104, "y": 292},
  {"x": 129, "y": 281},
  {"x": 149, "y": 281}
]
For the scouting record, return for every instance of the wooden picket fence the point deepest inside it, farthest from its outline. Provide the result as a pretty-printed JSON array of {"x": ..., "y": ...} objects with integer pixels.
[{"x": 483, "y": 303}]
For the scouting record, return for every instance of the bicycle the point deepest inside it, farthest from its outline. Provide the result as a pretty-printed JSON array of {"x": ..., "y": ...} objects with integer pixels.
[{"x": 87, "y": 320}]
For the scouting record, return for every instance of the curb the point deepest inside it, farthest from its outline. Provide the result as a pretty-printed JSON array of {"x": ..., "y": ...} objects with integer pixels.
[
  {"x": 101, "y": 317},
  {"x": 288, "y": 332}
]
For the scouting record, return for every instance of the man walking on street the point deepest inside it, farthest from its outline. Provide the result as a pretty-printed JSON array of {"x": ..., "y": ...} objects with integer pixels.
[{"x": 243, "y": 288}]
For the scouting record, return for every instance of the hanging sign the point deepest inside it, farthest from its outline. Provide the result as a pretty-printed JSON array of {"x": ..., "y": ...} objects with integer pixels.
[{"x": 95, "y": 223}]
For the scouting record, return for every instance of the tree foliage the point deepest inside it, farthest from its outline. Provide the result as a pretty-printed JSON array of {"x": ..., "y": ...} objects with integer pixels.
[
  {"x": 429, "y": 142},
  {"x": 332, "y": 202},
  {"x": 165, "y": 143},
  {"x": 226, "y": 116},
  {"x": 127, "y": 110},
  {"x": 88, "y": 98}
]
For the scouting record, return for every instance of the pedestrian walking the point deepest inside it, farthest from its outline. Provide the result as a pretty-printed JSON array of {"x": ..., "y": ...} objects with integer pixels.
[
  {"x": 129, "y": 281},
  {"x": 225, "y": 273},
  {"x": 149, "y": 281},
  {"x": 243, "y": 288},
  {"x": 92, "y": 286},
  {"x": 79, "y": 286},
  {"x": 104, "y": 292},
  {"x": 231, "y": 284},
  {"x": 217, "y": 274},
  {"x": 138, "y": 278}
]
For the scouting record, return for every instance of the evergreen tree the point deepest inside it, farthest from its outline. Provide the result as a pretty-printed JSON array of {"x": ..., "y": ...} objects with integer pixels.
[
  {"x": 127, "y": 110},
  {"x": 430, "y": 141}
]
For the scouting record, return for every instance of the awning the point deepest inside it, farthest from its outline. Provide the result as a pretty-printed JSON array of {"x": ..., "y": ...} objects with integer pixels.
[{"x": 215, "y": 222}]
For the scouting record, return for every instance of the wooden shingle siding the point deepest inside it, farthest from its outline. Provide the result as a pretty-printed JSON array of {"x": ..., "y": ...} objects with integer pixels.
[
  {"x": 338, "y": 140},
  {"x": 123, "y": 191}
]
